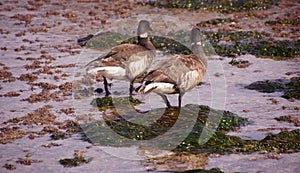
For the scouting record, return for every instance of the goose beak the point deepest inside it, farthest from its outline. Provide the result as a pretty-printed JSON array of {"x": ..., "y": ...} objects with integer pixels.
[{"x": 150, "y": 29}]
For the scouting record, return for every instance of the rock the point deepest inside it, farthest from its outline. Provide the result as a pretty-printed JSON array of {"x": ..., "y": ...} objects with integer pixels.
[{"x": 290, "y": 88}]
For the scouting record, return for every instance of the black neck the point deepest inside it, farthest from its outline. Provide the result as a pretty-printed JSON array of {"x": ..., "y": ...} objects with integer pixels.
[
  {"x": 198, "y": 51},
  {"x": 146, "y": 43}
]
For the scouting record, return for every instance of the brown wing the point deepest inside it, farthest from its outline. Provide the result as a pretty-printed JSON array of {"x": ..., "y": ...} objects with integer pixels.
[
  {"x": 118, "y": 55},
  {"x": 121, "y": 53},
  {"x": 158, "y": 76},
  {"x": 190, "y": 61}
]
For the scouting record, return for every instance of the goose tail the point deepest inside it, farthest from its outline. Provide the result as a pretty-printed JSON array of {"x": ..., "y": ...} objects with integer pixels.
[
  {"x": 145, "y": 88},
  {"x": 93, "y": 70}
]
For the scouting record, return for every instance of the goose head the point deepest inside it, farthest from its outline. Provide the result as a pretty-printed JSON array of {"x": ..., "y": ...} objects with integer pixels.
[
  {"x": 195, "y": 36},
  {"x": 143, "y": 29},
  {"x": 198, "y": 44}
]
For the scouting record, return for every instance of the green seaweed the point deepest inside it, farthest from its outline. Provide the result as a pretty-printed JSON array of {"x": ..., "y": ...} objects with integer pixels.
[
  {"x": 217, "y": 142},
  {"x": 215, "y": 5},
  {"x": 215, "y": 22},
  {"x": 119, "y": 131},
  {"x": 253, "y": 43},
  {"x": 72, "y": 162},
  {"x": 283, "y": 142},
  {"x": 228, "y": 122},
  {"x": 105, "y": 40},
  {"x": 235, "y": 36},
  {"x": 147, "y": 129},
  {"x": 293, "y": 22},
  {"x": 235, "y": 62},
  {"x": 57, "y": 136},
  {"x": 284, "y": 48},
  {"x": 231, "y": 121},
  {"x": 108, "y": 102},
  {"x": 169, "y": 45},
  {"x": 239, "y": 43}
]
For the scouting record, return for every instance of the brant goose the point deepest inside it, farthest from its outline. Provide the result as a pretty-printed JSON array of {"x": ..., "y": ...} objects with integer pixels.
[
  {"x": 177, "y": 74},
  {"x": 125, "y": 61}
]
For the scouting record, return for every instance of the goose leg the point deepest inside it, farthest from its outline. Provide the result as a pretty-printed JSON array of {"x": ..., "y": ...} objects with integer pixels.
[
  {"x": 165, "y": 99},
  {"x": 179, "y": 100},
  {"x": 131, "y": 88},
  {"x": 107, "y": 93}
]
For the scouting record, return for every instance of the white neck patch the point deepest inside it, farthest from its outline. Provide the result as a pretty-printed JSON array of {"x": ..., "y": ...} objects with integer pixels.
[
  {"x": 145, "y": 35},
  {"x": 198, "y": 43}
]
